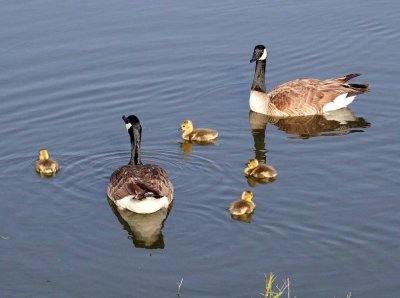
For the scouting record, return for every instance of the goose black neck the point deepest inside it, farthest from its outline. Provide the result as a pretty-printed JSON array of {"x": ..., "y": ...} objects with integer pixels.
[
  {"x": 259, "y": 77},
  {"x": 135, "y": 133}
]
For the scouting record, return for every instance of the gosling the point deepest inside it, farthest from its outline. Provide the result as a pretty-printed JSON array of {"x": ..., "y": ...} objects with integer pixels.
[
  {"x": 46, "y": 166},
  {"x": 258, "y": 170},
  {"x": 197, "y": 135},
  {"x": 243, "y": 206}
]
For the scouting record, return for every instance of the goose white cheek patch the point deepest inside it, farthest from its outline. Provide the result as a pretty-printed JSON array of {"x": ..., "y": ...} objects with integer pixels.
[
  {"x": 128, "y": 125},
  {"x": 264, "y": 55}
]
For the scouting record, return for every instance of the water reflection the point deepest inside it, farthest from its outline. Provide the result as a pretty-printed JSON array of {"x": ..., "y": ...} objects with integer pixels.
[
  {"x": 336, "y": 123},
  {"x": 187, "y": 146},
  {"x": 145, "y": 230},
  {"x": 258, "y": 123},
  {"x": 246, "y": 218}
]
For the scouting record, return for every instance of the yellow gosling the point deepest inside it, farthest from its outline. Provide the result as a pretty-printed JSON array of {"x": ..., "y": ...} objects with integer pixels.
[
  {"x": 258, "y": 170},
  {"x": 46, "y": 166},
  {"x": 197, "y": 135},
  {"x": 243, "y": 206}
]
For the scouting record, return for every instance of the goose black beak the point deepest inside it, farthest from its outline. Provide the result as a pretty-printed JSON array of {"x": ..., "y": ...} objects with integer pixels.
[
  {"x": 252, "y": 60},
  {"x": 125, "y": 119}
]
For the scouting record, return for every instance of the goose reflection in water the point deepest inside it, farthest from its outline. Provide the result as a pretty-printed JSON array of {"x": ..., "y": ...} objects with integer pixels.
[
  {"x": 258, "y": 123},
  {"x": 336, "y": 123},
  {"x": 145, "y": 230}
]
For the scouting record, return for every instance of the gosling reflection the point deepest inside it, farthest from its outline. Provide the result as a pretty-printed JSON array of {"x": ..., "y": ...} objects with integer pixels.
[
  {"x": 145, "y": 230},
  {"x": 336, "y": 123},
  {"x": 187, "y": 146},
  {"x": 259, "y": 172}
]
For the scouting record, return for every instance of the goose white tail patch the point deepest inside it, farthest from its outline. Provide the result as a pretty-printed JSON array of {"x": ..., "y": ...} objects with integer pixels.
[
  {"x": 339, "y": 102},
  {"x": 145, "y": 206}
]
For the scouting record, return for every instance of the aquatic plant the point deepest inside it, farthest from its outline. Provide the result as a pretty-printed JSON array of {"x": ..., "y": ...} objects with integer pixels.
[{"x": 278, "y": 290}]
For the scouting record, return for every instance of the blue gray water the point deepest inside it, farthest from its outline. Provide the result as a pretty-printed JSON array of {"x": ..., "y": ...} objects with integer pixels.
[{"x": 70, "y": 70}]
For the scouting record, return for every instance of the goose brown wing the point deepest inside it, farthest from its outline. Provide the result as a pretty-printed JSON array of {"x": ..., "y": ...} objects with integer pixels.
[
  {"x": 310, "y": 95},
  {"x": 138, "y": 181},
  {"x": 303, "y": 94}
]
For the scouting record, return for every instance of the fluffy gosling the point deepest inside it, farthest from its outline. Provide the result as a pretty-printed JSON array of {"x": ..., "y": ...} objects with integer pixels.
[
  {"x": 46, "y": 166},
  {"x": 258, "y": 170},
  {"x": 243, "y": 206},
  {"x": 197, "y": 135}
]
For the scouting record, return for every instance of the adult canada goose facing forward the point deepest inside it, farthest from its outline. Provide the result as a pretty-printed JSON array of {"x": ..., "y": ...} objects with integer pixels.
[
  {"x": 137, "y": 187},
  {"x": 300, "y": 97}
]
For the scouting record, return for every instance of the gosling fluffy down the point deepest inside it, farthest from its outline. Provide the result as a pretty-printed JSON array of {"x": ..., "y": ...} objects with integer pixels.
[
  {"x": 258, "y": 170},
  {"x": 243, "y": 206},
  {"x": 197, "y": 135},
  {"x": 46, "y": 166}
]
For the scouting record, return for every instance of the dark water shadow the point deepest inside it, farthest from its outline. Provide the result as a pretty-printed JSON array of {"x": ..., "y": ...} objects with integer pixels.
[{"x": 145, "y": 230}]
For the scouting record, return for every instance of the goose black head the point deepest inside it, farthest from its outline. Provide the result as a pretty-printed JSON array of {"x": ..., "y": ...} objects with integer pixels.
[
  {"x": 131, "y": 122},
  {"x": 260, "y": 53}
]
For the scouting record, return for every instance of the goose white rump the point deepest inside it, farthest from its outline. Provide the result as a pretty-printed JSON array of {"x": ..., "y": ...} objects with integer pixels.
[{"x": 144, "y": 206}]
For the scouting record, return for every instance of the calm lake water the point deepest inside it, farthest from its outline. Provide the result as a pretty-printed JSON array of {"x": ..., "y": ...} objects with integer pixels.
[{"x": 71, "y": 69}]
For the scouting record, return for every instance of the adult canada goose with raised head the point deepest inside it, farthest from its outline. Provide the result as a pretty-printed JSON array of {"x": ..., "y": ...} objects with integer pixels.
[
  {"x": 300, "y": 97},
  {"x": 141, "y": 188}
]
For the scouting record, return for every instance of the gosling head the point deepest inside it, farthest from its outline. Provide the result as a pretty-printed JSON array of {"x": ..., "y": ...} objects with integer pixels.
[
  {"x": 252, "y": 163},
  {"x": 259, "y": 53},
  {"x": 247, "y": 196},
  {"x": 43, "y": 154},
  {"x": 187, "y": 126}
]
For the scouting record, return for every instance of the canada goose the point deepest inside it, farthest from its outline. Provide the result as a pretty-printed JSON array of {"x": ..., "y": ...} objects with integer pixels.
[
  {"x": 258, "y": 170},
  {"x": 197, "y": 135},
  {"x": 243, "y": 206},
  {"x": 46, "y": 166},
  {"x": 137, "y": 187},
  {"x": 300, "y": 97}
]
